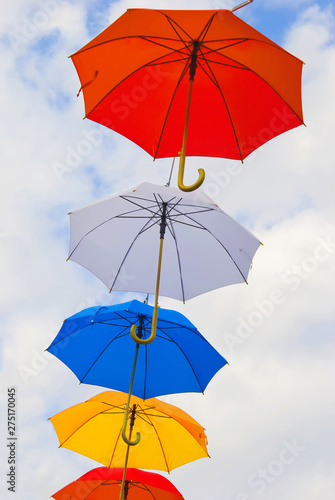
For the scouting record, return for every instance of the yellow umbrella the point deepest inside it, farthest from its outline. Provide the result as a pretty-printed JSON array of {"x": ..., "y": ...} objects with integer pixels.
[{"x": 169, "y": 436}]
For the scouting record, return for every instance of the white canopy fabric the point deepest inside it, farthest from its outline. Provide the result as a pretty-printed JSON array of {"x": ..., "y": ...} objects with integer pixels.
[{"x": 117, "y": 239}]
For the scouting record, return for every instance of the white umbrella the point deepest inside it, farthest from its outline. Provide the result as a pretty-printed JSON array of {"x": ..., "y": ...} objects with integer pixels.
[{"x": 117, "y": 239}]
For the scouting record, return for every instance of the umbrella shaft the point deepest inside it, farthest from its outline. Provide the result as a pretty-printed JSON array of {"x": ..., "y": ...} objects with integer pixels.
[
  {"x": 131, "y": 424},
  {"x": 188, "y": 107},
  {"x": 161, "y": 241},
  {"x": 201, "y": 178},
  {"x": 163, "y": 221},
  {"x": 125, "y": 469}
]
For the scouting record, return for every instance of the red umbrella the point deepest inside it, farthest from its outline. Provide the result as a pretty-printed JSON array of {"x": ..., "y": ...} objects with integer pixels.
[
  {"x": 190, "y": 82},
  {"x": 102, "y": 483}
]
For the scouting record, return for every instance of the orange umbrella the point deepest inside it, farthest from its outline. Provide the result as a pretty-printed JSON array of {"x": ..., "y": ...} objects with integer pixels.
[
  {"x": 170, "y": 437},
  {"x": 95, "y": 428},
  {"x": 190, "y": 82},
  {"x": 102, "y": 483}
]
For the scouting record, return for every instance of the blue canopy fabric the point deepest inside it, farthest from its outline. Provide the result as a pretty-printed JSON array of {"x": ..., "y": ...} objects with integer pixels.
[{"x": 96, "y": 345}]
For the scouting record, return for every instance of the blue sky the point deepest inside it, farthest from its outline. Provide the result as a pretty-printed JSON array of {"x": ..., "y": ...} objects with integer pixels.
[{"x": 277, "y": 332}]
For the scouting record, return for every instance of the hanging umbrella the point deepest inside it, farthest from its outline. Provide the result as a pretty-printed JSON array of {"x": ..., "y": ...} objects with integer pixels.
[
  {"x": 96, "y": 345},
  {"x": 104, "y": 484},
  {"x": 170, "y": 437},
  {"x": 204, "y": 249},
  {"x": 190, "y": 82}
]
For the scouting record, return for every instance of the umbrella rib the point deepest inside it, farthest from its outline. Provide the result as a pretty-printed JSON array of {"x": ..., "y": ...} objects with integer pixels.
[
  {"x": 173, "y": 25},
  {"x": 188, "y": 361},
  {"x": 183, "y": 73},
  {"x": 142, "y": 486},
  {"x": 175, "y": 326},
  {"x": 127, "y": 37},
  {"x": 171, "y": 229},
  {"x": 93, "y": 489},
  {"x": 67, "y": 336},
  {"x": 148, "y": 63},
  {"x": 234, "y": 41},
  {"x": 220, "y": 63},
  {"x": 181, "y": 59},
  {"x": 244, "y": 67},
  {"x": 100, "y": 323},
  {"x": 173, "y": 50},
  {"x": 159, "y": 440},
  {"x": 105, "y": 222},
  {"x": 207, "y": 26},
  {"x": 220, "y": 243},
  {"x": 181, "y": 202},
  {"x": 82, "y": 425},
  {"x": 149, "y": 209},
  {"x": 101, "y": 353},
  {"x": 127, "y": 253},
  {"x": 170, "y": 204},
  {"x": 227, "y": 108},
  {"x": 177, "y": 221},
  {"x": 186, "y": 214},
  {"x": 114, "y": 449},
  {"x": 126, "y": 319}
]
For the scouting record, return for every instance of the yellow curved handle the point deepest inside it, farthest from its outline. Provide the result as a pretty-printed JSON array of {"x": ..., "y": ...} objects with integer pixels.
[
  {"x": 124, "y": 437},
  {"x": 153, "y": 331},
  {"x": 194, "y": 186}
]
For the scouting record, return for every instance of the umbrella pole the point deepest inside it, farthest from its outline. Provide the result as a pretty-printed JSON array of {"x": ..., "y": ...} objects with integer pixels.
[
  {"x": 132, "y": 421},
  {"x": 182, "y": 159},
  {"x": 155, "y": 311},
  {"x": 126, "y": 411}
]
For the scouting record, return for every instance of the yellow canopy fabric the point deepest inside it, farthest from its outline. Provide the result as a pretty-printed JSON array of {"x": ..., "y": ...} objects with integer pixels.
[{"x": 169, "y": 436}]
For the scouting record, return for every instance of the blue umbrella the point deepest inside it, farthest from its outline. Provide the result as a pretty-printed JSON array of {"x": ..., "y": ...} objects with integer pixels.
[{"x": 96, "y": 345}]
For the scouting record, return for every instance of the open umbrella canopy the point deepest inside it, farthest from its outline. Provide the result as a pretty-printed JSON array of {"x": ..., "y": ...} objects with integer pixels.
[
  {"x": 137, "y": 79},
  {"x": 96, "y": 345},
  {"x": 117, "y": 239},
  {"x": 170, "y": 437},
  {"x": 104, "y": 484}
]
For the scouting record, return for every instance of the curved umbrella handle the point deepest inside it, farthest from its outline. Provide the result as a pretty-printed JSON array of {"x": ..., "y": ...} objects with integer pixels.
[
  {"x": 137, "y": 339},
  {"x": 194, "y": 186},
  {"x": 153, "y": 331},
  {"x": 124, "y": 437}
]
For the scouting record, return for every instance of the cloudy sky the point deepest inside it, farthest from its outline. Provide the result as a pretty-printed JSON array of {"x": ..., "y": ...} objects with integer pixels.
[{"x": 269, "y": 415}]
